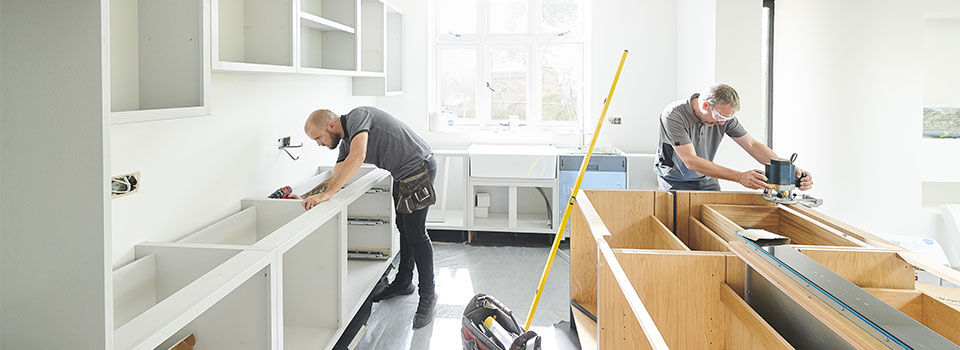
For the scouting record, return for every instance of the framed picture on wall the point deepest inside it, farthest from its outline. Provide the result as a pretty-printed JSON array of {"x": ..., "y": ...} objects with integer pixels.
[{"x": 941, "y": 122}]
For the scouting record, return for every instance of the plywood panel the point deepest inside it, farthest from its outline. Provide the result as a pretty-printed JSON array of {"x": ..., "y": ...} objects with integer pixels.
[
  {"x": 736, "y": 274},
  {"x": 751, "y": 216},
  {"x": 909, "y": 302},
  {"x": 703, "y": 238},
  {"x": 682, "y": 209},
  {"x": 723, "y": 227},
  {"x": 941, "y": 318},
  {"x": 583, "y": 260},
  {"x": 844, "y": 227},
  {"x": 663, "y": 208},
  {"x": 622, "y": 211},
  {"x": 686, "y": 310},
  {"x": 745, "y": 329},
  {"x": 865, "y": 268},
  {"x": 648, "y": 233},
  {"x": 617, "y": 328},
  {"x": 586, "y": 330},
  {"x": 803, "y": 231},
  {"x": 741, "y": 198}
]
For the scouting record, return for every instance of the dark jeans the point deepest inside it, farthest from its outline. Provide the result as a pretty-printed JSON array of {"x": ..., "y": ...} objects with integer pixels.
[
  {"x": 415, "y": 246},
  {"x": 708, "y": 184}
]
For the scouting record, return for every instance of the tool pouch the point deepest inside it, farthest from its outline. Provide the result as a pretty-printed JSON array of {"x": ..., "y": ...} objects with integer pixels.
[{"x": 415, "y": 192}]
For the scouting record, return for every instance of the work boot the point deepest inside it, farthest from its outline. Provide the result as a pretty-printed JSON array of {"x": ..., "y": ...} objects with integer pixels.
[
  {"x": 393, "y": 290},
  {"x": 425, "y": 311}
]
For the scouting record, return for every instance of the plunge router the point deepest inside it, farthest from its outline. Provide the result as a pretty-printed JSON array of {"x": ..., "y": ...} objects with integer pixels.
[{"x": 781, "y": 176}]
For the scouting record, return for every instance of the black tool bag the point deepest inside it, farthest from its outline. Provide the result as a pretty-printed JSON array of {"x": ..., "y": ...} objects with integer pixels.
[
  {"x": 477, "y": 336},
  {"x": 415, "y": 192}
]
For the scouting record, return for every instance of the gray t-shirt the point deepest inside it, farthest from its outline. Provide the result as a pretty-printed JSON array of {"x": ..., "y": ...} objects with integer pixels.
[
  {"x": 679, "y": 126},
  {"x": 391, "y": 144}
]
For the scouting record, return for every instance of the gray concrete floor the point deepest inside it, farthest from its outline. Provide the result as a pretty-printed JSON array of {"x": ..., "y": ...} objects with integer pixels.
[{"x": 509, "y": 274}]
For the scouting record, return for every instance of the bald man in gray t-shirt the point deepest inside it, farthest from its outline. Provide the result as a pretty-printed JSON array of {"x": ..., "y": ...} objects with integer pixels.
[
  {"x": 690, "y": 134},
  {"x": 373, "y": 136}
]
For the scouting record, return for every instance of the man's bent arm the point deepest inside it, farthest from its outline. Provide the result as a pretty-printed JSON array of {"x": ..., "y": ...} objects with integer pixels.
[{"x": 694, "y": 162}]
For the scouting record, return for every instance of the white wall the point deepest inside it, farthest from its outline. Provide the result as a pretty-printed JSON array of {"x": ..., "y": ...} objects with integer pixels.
[
  {"x": 646, "y": 85},
  {"x": 720, "y": 41},
  {"x": 55, "y": 218},
  {"x": 848, "y": 97},
  {"x": 196, "y": 170},
  {"x": 941, "y": 89}
]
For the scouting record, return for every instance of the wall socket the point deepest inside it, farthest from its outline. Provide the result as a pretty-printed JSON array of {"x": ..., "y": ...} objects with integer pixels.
[
  {"x": 615, "y": 120},
  {"x": 124, "y": 185}
]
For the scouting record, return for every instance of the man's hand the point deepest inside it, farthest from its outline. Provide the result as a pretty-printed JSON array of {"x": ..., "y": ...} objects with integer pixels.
[
  {"x": 753, "y": 179},
  {"x": 806, "y": 182},
  {"x": 313, "y": 200}
]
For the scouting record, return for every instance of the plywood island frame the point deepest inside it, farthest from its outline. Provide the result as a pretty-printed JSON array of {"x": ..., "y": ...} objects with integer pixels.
[{"x": 657, "y": 269}]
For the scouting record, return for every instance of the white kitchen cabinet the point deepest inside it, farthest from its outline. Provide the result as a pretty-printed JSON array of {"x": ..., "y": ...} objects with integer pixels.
[
  {"x": 159, "y": 59},
  {"x": 269, "y": 276}
]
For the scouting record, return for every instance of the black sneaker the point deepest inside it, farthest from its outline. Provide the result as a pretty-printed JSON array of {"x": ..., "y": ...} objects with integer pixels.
[
  {"x": 424, "y": 311},
  {"x": 394, "y": 290}
]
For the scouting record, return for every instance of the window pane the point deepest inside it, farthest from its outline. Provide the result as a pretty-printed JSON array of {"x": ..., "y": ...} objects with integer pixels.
[
  {"x": 561, "y": 16},
  {"x": 458, "y": 82},
  {"x": 457, "y": 17},
  {"x": 508, "y": 16},
  {"x": 508, "y": 83},
  {"x": 562, "y": 82}
]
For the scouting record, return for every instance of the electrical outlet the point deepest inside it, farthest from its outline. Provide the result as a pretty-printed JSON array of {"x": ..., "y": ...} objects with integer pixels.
[
  {"x": 615, "y": 120},
  {"x": 123, "y": 185}
]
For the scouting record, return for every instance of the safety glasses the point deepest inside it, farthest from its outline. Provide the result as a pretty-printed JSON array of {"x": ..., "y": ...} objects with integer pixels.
[{"x": 720, "y": 117}]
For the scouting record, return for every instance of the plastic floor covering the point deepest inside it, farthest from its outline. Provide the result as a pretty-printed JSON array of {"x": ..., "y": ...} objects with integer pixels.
[{"x": 510, "y": 274}]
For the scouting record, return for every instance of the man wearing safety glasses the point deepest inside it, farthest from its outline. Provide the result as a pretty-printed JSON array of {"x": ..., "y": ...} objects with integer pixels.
[{"x": 690, "y": 133}]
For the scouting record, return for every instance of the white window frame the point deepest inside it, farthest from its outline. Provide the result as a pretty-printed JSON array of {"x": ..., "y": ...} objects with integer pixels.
[{"x": 534, "y": 41}]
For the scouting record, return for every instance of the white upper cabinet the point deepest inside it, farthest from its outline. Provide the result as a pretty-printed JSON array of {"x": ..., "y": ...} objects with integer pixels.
[{"x": 159, "y": 59}]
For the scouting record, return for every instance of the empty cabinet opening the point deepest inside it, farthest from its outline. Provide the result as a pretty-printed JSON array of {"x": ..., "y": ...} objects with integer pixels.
[
  {"x": 325, "y": 49},
  {"x": 342, "y": 12},
  {"x": 372, "y": 39},
  {"x": 256, "y": 220},
  {"x": 700, "y": 310},
  {"x": 156, "y": 274},
  {"x": 156, "y": 55},
  {"x": 535, "y": 208},
  {"x": 256, "y": 31},
  {"x": 726, "y": 220},
  {"x": 646, "y": 233},
  {"x": 311, "y": 290},
  {"x": 241, "y": 320}
]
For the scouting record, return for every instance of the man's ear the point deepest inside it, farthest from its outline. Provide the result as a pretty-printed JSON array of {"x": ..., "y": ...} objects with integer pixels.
[{"x": 331, "y": 125}]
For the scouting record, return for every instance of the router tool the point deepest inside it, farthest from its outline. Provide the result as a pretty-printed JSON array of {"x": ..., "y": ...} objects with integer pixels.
[{"x": 782, "y": 180}]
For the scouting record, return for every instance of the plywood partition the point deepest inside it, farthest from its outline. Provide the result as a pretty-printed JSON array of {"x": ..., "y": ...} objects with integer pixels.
[
  {"x": 648, "y": 233},
  {"x": 688, "y": 204},
  {"x": 681, "y": 291},
  {"x": 745, "y": 329},
  {"x": 848, "y": 229},
  {"x": 727, "y": 219},
  {"x": 624, "y": 210},
  {"x": 583, "y": 260},
  {"x": 867, "y": 268},
  {"x": 701, "y": 237}
]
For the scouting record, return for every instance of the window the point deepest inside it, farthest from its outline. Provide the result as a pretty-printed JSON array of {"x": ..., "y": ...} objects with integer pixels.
[{"x": 500, "y": 63}]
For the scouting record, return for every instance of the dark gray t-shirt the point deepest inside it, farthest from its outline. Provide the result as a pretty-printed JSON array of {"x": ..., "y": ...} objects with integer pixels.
[
  {"x": 391, "y": 144},
  {"x": 679, "y": 126}
]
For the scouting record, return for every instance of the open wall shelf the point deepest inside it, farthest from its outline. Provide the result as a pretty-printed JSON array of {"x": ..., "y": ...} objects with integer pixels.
[
  {"x": 269, "y": 276},
  {"x": 354, "y": 38},
  {"x": 253, "y": 35},
  {"x": 381, "y": 50},
  {"x": 159, "y": 62}
]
